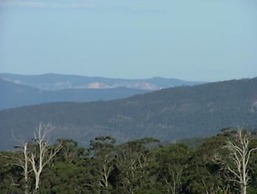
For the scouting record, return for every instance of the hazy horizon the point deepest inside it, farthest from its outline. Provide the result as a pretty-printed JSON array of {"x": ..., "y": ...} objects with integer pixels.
[
  {"x": 126, "y": 78},
  {"x": 190, "y": 40}
]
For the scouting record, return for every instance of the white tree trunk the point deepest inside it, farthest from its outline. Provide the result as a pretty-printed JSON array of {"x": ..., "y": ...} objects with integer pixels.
[
  {"x": 26, "y": 168},
  {"x": 36, "y": 156},
  {"x": 43, "y": 155},
  {"x": 240, "y": 155}
]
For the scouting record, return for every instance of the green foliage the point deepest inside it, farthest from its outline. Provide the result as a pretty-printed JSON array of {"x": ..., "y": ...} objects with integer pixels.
[
  {"x": 202, "y": 171},
  {"x": 172, "y": 162},
  {"x": 134, "y": 163},
  {"x": 65, "y": 178},
  {"x": 10, "y": 174},
  {"x": 135, "y": 167}
]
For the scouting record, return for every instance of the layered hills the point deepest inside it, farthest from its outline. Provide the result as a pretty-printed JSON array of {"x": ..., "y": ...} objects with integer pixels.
[
  {"x": 59, "y": 81},
  {"x": 168, "y": 114},
  {"x": 25, "y": 90},
  {"x": 17, "y": 95}
]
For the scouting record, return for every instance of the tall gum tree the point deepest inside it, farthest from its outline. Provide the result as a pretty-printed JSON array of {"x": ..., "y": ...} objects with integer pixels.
[
  {"x": 44, "y": 153},
  {"x": 36, "y": 155},
  {"x": 240, "y": 153}
]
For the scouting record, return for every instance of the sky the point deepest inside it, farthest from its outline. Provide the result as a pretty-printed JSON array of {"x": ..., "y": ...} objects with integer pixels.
[{"x": 197, "y": 40}]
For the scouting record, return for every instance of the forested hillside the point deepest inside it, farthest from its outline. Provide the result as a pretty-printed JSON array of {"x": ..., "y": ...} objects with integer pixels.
[
  {"x": 168, "y": 114},
  {"x": 142, "y": 166}
]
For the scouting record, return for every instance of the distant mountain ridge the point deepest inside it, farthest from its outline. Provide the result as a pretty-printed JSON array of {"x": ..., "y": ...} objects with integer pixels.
[
  {"x": 168, "y": 114},
  {"x": 59, "y": 82},
  {"x": 17, "y": 95},
  {"x": 25, "y": 90}
]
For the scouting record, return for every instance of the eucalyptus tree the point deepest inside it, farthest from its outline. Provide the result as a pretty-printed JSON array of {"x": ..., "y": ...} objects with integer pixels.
[
  {"x": 203, "y": 171},
  {"x": 70, "y": 163},
  {"x": 239, "y": 156},
  {"x": 10, "y": 173},
  {"x": 172, "y": 160},
  {"x": 34, "y": 155},
  {"x": 103, "y": 154},
  {"x": 133, "y": 163}
]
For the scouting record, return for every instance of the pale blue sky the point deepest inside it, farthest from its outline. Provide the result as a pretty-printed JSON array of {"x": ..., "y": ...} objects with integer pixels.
[{"x": 207, "y": 40}]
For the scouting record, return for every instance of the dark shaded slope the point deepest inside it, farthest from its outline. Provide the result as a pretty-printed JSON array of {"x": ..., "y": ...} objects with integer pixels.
[
  {"x": 169, "y": 114},
  {"x": 14, "y": 95},
  {"x": 89, "y": 95}
]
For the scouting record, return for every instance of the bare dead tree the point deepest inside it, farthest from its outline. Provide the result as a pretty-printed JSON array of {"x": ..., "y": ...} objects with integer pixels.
[
  {"x": 22, "y": 160},
  {"x": 25, "y": 166},
  {"x": 35, "y": 155},
  {"x": 44, "y": 153},
  {"x": 239, "y": 157}
]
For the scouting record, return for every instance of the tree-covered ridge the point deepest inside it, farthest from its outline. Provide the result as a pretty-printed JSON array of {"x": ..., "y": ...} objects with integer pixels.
[
  {"x": 139, "y": 167},
  {"x": 169, "y": 114}
]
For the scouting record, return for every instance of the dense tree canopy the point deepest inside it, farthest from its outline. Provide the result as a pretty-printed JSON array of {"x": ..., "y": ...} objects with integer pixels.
[{"x": 141, "y": 166}]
